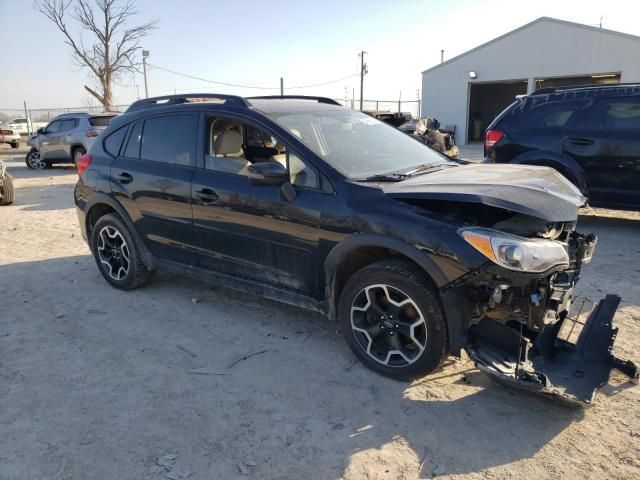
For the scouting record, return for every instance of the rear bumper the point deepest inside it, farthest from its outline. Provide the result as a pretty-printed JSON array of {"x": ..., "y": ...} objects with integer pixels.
[
  {"x": 554, "y": 365},
  {"x": 82, "y": 223}
]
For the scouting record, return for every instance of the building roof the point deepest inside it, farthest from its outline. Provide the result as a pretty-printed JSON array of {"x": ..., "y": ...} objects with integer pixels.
[{"x": 530, "y": 24}]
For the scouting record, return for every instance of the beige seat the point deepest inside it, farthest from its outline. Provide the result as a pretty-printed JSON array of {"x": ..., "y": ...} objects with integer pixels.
[{"x": 228, "y": 155}]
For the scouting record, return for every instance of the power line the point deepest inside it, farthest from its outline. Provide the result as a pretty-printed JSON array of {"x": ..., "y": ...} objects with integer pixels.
[
  {"x": 326, "y": 83},
  {"x": 193, "y": 77}
]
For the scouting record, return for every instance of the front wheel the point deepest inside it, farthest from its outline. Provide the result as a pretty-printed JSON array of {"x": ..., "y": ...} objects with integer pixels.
[
  {"x": 116, "y": 254},
  {"x": 15, "y": 144},
  {"x": 34, "y": 160},
  {"x": 7, "y": 191},
  {"x": 391, "y": 318}
]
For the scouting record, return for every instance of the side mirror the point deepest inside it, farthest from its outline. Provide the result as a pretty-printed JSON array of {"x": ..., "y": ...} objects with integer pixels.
[
  {"x": 40, "y": 131},
  {"x": 268, "y": 173}
]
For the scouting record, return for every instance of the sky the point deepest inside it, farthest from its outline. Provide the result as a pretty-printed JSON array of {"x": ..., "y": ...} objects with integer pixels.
[{"x": 256, "y": 42}]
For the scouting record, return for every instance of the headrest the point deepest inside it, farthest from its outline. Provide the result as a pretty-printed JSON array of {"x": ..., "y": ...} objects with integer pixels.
[{"x": 227, "y": 143}]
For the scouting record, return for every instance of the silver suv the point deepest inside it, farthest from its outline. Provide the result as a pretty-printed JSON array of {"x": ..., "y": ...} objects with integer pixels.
[{"x": 65, "y": 139}]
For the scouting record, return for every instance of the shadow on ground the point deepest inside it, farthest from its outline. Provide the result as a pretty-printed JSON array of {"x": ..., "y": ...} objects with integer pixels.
[{"x": 91, "y": 374}]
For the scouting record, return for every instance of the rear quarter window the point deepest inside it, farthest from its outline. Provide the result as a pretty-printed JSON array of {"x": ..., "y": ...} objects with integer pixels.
[
  {"x": 113, "y": 142},
  {"x": 101, "y": 121}
]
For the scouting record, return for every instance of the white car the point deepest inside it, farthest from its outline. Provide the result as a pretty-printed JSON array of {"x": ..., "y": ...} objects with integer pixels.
[
  {"x": 10, "y": 136},
  {"x": 21, "y": 126}
]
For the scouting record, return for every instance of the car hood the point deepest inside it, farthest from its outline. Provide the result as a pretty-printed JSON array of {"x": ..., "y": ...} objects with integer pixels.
[{"x": 537, "y": 191}]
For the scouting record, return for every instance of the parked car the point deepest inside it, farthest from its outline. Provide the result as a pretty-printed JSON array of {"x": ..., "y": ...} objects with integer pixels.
[
  {"x": 21, "y": 125},
  {"x": 7, "y": 191},
  {"x": 9, "y": 136},
  {"x": 306, "y": 202},
  {"x": 590, "y": 134},
  {"x": 65, "y": 139}
]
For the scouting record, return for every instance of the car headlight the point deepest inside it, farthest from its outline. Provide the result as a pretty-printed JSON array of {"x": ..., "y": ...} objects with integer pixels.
[{"x": 514, "y": 252}]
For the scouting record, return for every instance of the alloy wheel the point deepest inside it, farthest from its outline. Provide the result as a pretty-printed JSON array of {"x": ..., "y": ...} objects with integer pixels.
[
  {"x": 388, "y": 325},
  {"x": 35, "y": 161},
  {"x": 113, "y": 252}
]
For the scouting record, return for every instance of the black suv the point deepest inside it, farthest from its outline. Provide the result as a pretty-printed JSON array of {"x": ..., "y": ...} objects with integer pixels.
[
  {"x": 300, "y": 200},
  {"x": 590, "y": 134}
]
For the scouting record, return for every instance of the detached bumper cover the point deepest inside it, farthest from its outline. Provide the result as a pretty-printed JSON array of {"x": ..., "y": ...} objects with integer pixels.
[{"x": 551, "y": 366}]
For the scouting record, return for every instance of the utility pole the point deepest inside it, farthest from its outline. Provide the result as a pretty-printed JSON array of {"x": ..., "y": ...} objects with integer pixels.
[
  {"x": 363, "y": 71},
  {"x": 281, "y": 87},
  {"x": 145, "y": 54},
  {"x": 400, "y": 101},
  {"x": 28, "y": 117},
  {"x": 353, "y": 99},
  {"x": 441, "y": 56}
]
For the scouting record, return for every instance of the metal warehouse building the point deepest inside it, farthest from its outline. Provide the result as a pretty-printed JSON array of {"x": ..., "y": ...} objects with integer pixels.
[{"x": 469, "y": 90}]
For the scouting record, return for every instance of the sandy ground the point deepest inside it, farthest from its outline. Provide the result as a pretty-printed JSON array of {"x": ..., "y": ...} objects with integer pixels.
[{"x": 96, "y": 383}]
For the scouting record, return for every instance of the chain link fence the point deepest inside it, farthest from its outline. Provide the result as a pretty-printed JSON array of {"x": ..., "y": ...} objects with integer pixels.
[
  {"x": 45, "y": 115},
  {"x": 38, "y": 116},
  {"x": 404, "y": 106}
]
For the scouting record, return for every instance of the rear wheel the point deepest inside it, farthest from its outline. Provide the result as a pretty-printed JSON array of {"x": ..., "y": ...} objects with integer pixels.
[
  {"x": 6, "y": 190},
  {"x": 77, "y": 153},
  {"x": 34, "y": 160},
  {"x": 391, "y": 318},
  {"x": 15, "y": 144},
  {"x": 116, "y": 254}
]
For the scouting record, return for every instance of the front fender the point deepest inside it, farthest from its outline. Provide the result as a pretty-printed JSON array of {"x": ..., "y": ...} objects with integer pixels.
[{"x": 340, "y": 252}]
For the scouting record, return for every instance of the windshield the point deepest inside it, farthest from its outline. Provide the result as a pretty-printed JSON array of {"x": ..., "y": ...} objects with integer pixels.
[
  {"x": 355, "y": 144},
  {"x": 19, "y": 120}
]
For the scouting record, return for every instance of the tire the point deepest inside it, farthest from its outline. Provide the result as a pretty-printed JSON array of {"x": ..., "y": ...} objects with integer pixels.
[
  {"x": 7, "y": 190},
  {"x": 76, "y": 153},
  {"x": 420, "y": 331},
  {"x": 112, "y": 264},
  {"x": 34, "y": 160},
  {"x": 15, "y": 145}
]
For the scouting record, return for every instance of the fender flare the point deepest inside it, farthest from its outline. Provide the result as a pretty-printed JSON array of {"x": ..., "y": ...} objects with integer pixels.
[
  {"x": 345, "y": 247},
  {"x": 562, "y": 163},
  {"x": 104, "y": 199}
]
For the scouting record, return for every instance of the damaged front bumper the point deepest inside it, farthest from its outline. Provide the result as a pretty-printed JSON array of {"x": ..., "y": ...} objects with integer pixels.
[
  {"x": 559, "y": 362},
  {"x": 529, "y": 331}
]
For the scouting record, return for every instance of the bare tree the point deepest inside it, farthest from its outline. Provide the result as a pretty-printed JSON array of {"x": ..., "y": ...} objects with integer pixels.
[{"x": 113, "y": 45}]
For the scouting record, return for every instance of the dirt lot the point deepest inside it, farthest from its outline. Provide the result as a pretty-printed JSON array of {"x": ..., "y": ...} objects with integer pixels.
[{"x": 96, "y": 383}]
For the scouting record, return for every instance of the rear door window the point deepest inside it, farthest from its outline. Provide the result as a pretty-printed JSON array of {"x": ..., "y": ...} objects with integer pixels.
[
  {"x": 545, "y": 114},
  {"x": 68, "y": 124},
  {"x": 170, "y": 139},
  {"x": 132, "y": 150},
  {"x": 615, "y": 114}
]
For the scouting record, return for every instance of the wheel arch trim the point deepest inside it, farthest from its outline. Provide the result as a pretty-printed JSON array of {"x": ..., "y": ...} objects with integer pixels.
[
  {"x": 104, "y": 199},
  {"x": 341, "y": 251}
]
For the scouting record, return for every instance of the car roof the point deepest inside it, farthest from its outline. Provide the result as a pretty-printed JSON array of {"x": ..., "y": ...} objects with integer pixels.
[
  {"x": 212, "y": 100},
  {"x": 615, "y": 88}
]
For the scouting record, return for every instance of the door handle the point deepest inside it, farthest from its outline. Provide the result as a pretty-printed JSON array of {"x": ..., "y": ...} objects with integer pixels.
[
  {"x": 206, "y": 195},
  {"x": 124, "y": 177},
  {"x": 581, "y": 141}
]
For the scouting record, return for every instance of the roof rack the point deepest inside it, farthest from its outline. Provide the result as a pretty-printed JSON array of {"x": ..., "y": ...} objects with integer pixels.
[
  {"x": 546, "y": 90},
  {"x": 327, "y": 100},
  {"x": 186, "y": 98}
]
